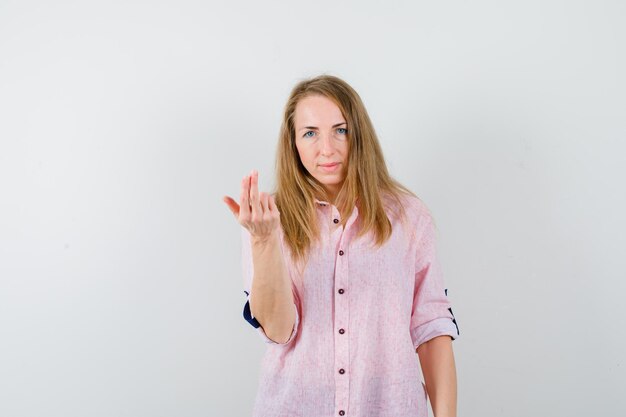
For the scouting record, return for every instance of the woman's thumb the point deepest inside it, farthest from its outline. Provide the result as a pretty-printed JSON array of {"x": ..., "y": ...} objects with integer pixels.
[{"x": 232, "y": 205}]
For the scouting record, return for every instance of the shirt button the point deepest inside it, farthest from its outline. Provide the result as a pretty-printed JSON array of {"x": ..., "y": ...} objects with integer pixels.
[
  {"x": 341, "y": 412},
  {"x": 340, "y": 252},
  {"x": 341, "y": 371},
  {"x": 341, "y": 331},
  {"x": 340, "y": 290},
  {"x": 336, "y": 221}
]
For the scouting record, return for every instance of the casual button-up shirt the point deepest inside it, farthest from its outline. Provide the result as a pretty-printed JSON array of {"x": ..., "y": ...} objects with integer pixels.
[{"x": 361, "y": 313}]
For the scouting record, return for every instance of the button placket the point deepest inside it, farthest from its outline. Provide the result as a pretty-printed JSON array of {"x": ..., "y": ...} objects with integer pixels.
[{"x": 341, "y": 319}]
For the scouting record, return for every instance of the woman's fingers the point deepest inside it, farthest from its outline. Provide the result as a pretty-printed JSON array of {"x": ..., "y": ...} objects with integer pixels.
[
  {"x": 257, "y": 211},
  {"x": 263, "y": 202},
  {"x": 272, "y": 204},
  {"x": 254, "y": 194},
  {"x": 244, "y": 208}
]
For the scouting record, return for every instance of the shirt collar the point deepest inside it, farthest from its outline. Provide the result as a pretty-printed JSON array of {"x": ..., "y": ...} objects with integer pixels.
[
  {"x": 321, "y": 202},
  {"x": 326, "y": 203}
]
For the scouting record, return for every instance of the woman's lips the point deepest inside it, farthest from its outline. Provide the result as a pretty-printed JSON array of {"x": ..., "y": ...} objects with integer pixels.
[{"x": 330, "y": 167}]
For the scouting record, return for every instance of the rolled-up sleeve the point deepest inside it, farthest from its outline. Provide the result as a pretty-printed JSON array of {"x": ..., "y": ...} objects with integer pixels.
[
  {"x": 431, "y": 315},
  {"x": 248, "y": 274}
]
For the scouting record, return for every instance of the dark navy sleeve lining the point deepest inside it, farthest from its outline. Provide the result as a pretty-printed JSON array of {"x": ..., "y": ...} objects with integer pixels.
[
  {"x": 453, "y": 318},
  {"x": 247, "y": 314}
]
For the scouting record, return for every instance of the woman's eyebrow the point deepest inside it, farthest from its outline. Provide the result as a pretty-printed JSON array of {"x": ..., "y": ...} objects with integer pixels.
[{"x": 314, "y": 127}]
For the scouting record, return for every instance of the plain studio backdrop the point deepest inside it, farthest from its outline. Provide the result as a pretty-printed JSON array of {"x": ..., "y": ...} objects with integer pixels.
[{"x": 122, "y": 125}]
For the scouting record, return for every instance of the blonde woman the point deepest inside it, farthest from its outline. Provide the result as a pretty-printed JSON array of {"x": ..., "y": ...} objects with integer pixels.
[{"x": 341, "y": 275}]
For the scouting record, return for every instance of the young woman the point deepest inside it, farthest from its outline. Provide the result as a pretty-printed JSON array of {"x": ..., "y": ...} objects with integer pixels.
[{"x": 341, "y": 273}]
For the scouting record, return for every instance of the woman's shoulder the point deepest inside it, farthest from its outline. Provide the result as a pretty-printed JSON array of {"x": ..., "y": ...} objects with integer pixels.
[{"x": 414, "y": 207}]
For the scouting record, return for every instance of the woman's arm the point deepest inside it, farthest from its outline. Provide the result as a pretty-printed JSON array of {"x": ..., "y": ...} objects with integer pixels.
[
  {"x": 438, "y": 367},
  {"x": 271, "y": 297}
]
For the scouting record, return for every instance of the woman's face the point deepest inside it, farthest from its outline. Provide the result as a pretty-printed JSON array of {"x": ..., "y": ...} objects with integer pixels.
[{"x": 322, "y": 139}]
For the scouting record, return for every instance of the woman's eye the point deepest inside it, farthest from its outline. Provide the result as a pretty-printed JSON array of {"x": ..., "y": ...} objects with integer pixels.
[
  {"x": 342, "y": 130},
  {"x": 305, "y": 135}
]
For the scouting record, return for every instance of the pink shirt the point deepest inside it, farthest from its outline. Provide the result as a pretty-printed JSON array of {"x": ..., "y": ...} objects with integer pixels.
[{"x": 361, "y": 313}]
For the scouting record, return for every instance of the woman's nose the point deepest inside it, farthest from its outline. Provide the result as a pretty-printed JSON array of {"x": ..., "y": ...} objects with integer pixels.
[{"x": 327, "y": 145}]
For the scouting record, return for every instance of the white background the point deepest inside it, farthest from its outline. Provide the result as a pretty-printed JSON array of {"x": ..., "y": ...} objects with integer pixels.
[{"x": 123, "y": 123}]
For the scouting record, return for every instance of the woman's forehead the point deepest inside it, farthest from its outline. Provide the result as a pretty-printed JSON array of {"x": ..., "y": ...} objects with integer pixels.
[{"x": 317, "y": 109}]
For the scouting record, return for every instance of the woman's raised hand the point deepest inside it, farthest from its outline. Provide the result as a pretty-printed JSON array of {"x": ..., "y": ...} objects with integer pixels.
[{"x": 257, "y": 212}]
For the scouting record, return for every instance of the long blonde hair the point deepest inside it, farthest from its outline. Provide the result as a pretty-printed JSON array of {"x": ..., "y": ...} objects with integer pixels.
[{"x": 366, "y": 179}]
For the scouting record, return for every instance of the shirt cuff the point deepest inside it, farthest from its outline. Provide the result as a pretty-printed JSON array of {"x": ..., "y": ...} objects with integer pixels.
[
  {"x": 437, "y": 327},
  {"x": 247, "y": 314}
]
